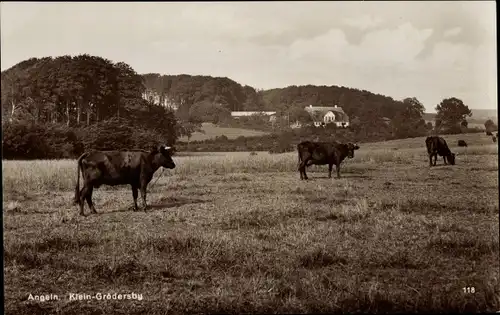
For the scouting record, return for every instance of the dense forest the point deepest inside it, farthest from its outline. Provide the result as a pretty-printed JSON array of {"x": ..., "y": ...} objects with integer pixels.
[
  {"x": 76, "y": 91},
  {"x": 58, "y": 107}
]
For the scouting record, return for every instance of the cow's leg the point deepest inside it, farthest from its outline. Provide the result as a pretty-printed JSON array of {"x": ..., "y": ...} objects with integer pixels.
[
  {"x": 88, "y": 197},
  {"x": 430, "y": 160},
  {"x": 337, "y": 166},
  {"x": 330, "y": 168},
  {"x": 298, "y": 165},
  {"x": 300, "y": 170},
  {"x": 435, "y": 159},
  {"x": 135, "y": 194},
  {"x": 444, "y": 159},
  {"x": 303, "y": 174},
  {"x": 83, "y": 195},
  {"x": 303, "y": 166},
  {"x": 143, "y": 195},
  {"x": 79, "y": 201}
]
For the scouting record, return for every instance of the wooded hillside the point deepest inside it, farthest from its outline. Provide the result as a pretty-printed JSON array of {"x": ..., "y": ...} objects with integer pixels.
[
  {"x": 58, "y": 107},
  {"x": 76, "y": 91},
  {"x": 206, "y": 97}
]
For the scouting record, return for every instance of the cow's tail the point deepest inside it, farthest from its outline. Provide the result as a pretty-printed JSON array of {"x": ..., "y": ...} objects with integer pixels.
[
  {"x": 300, "y": 157},
  {"x": 78, "y": 170}
]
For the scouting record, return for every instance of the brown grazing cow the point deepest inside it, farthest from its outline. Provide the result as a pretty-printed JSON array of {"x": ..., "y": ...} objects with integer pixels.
[
  {"x": 437, "y": 145},
  {"x": 321, "y": 153},
  {"x": 135, "y": 168}
]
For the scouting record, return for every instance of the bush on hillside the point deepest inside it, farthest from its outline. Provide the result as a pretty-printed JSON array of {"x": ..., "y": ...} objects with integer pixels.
[
  {"x": 111, "y": 134},
  {"x": 24, "y": 140},
  {"x": 63, "y": 142}
]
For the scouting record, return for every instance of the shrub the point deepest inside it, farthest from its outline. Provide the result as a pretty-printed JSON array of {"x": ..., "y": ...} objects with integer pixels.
[
  {"x": 24, "y": 140},
  {"x": 27, "y": 140},
  {"x": 111, "y": 134},
  {"x": 63, "y": 142}
]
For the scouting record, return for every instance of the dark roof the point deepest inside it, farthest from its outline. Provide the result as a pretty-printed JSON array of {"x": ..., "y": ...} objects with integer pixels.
[{"x": 325, "y": 109}]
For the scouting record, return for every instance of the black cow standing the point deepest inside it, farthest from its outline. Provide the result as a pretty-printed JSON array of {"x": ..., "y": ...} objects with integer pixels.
[
  {"x": 321, "y": 153},
  {"x": 437, "y": 145},
  {"x": 462, "y": 143},
  {"x": 135, "y": 168}
]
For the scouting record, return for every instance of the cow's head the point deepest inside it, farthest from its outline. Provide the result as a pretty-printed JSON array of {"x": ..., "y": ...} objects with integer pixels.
[
  {"x": 451, "y": 158},
  {"x": 163, "y": 156},
  {"x": 350, "y": 149}
]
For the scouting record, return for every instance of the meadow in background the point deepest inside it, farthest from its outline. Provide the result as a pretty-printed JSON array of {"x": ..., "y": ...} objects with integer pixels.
[{"x": 239, "y": 232}]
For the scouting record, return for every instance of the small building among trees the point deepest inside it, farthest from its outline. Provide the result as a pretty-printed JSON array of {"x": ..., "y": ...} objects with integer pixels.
[{"x": 322, "y": 115}]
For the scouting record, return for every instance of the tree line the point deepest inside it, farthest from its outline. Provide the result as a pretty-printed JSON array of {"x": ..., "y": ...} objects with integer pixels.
[
  {"x": 77, "y": 91},
  {"x": 209, "y": 99},
  {"x": 212, "y": 99},
  {"x": 202, "y": 98},
  {"x": 66, "y": 104},
  {"x": 58, "y": 107}
]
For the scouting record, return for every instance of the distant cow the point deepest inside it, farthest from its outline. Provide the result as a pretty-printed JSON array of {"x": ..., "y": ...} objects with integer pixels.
[
  {"x": 489, "y": 133},
  {"x": 462, "y": 143},
  {"x": 494, "y": 139},
  {"x": 437, "y": 145},
  {"x": 321, "y": 153},
  {"x": 135, "y": 168}
]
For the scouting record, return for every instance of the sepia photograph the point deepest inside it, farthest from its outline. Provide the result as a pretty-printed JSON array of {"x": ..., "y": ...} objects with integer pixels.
[{"x": 295, "y": 157}]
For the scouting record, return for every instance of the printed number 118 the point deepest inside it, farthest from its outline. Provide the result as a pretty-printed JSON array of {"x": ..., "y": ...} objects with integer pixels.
[{"x": 469, "y": 289}]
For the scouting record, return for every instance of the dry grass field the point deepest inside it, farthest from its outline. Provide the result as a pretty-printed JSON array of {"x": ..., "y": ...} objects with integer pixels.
[{"x": 234, "y": 233}]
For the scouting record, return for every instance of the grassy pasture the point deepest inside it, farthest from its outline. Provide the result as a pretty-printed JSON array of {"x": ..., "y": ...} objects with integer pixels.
[
  {"x": 234, "y": 232},
  {"x": 212, "y": 131}
]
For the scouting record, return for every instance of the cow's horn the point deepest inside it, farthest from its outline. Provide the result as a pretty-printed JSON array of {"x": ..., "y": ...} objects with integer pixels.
[{"x": 167, "y": 147}]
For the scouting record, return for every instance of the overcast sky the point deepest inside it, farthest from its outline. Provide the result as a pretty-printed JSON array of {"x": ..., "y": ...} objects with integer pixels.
[{"x": 430, "y": 50}]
